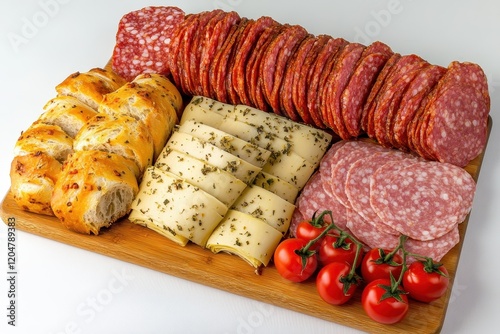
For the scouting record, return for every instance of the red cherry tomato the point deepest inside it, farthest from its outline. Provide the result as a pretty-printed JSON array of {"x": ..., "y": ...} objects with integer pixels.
[
  {"x": 332, "y": 285},
  {"x": 425, "y": 282},
  {"x": 331, "y": 250},
  {"x": 374, "y": 265},
  {"x": 307, "y": 230},
  {"x": 289, "y": 262},
  {"x": 386, "y": 310}
]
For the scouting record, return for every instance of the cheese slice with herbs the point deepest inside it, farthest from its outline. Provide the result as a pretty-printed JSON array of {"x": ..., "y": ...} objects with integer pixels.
[
  {"x": 229, "y": 143},
  {"x": 265, "y": 205},
  {"x": 219, "y": 183},
  {"x": 246, "y": 236},
  {"x": 213, "y": 155},
  {"x": 277, "y": 186},
  {"x": 137, "y": 217},
  {"x": 307, "y": 141},
  {"x": 291, "y": 168},
  {"x": 177, "y": 206}
]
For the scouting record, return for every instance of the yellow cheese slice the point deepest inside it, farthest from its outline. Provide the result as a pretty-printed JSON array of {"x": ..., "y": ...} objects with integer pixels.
[
  {"x": 246, "y": 236},
  {"x": 137, "y": 217},
  {"x": 221, "y": 184},
  {"x": 277, "y": 186},
  {"x": 239, "y": 147},
  {"x": 291, "y": 168},
  {"x": 213, "y": 155},
  {"x": 265, "y": 205},
  {"x": 176, "y": 205}
]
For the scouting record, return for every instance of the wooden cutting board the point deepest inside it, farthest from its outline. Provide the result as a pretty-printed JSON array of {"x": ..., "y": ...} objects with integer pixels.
[{"x": 139, "y": 245}]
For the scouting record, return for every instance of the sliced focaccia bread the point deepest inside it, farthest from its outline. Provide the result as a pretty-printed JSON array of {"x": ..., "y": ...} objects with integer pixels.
[
  {"x": 67, "y": 112},
  {"x": 146, "y": 104},
  {"x": 94, "y": 190},
  {"x": 32, "y": 181},
  {"x": 123, "y": 135},
  {"x": 46, "y": 138}
]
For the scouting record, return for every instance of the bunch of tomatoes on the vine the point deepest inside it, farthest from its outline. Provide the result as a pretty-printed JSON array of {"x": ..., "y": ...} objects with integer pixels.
[{"x": 341, "y": 267}]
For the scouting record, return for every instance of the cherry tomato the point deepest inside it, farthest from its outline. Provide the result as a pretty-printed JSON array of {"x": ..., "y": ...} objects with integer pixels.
[
  {"x": 307, "y": 230},
  {"x": 333, "y": 250},
  {"x": 374, "y": 265},
  {"x": 425, "y": 282},
  {"x": 382, "y": 306},
  {"x": 332, "y": 283},
  {"x": 291, "y": 264}
]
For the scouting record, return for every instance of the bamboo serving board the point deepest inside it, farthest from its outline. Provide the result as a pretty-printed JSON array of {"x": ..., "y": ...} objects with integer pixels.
[{"x": 139, "y": 245}]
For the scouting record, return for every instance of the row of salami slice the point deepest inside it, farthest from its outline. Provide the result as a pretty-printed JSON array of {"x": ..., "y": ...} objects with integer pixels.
[
  {"x": 379, "y": 193},
  {"x": 352, "y": 89}
]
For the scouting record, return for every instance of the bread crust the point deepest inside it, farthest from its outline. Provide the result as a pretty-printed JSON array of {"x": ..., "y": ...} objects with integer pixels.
[
  {"x": 67, "y": 112},
  {"x": 89, "y": 87},
  {"x": 32, "y": 181},
  {"x": 120, "y": 134},
  {"x": 94, "y": 190},
  {"x": 145, "y": 103},
  {"x": 47, "y": 138}
]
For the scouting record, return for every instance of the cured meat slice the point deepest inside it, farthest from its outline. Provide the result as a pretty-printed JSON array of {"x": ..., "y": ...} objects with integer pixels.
[
  {"x": 207, "y": 23},
  {"x": 299, "y": 94},
  {"x": 420, "y": 86},
  {"x": 424, "y": 200},
  {"x": 274, "y": 62},
  {"x": 174, "y": 49},
  {"x": 357, "y": 90},
  {"x": 219, "y": 70},
  {"x": 314, "y": 199},
  {"x": 291, "y": 77},
  {"x": 435, "y": 248},
  {"x": 457, "y": 129},
  {"x": 402, "y": 72},
  {"x": 142, "y": 41},
  {"x": 254, "y": 64},
  {"x": 341, "y": 168},
  {"x": 368, "y": 234},
  {"x": 368, "y": 110},
  {"x": 212, "y": 45},
  {"x": 319, "y": 77},
  {"x": 336, "y": 83},
  {"x": 357, "y": 186},
  {"x": 245, "y": 49}
]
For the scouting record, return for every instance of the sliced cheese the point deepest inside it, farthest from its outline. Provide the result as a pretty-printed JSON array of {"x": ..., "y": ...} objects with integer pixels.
[
  {"x": 256, "y": 136},
  {"x": 201, "y": 114},
  {"x": 246, "y": 236},
  {"x": 307, "y": 141},
  {"x": 221, "y": 184},
  {"x": 277, "y": 186},
  {"x": 137, "y": 217},
  {"x": 292, "y": 168},
  {"x": 176, "y": 205},
  {"x": 265, "y": 205},
  {"x": 239, "y": 147},
  {"x": 213, "y": 155}
]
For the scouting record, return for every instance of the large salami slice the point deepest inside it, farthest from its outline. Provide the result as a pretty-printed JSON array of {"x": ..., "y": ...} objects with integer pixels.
[
  {"x": 141, "y": 41},
  {"x": 424, "y": 200},
  {"x": 313, "y": 199}
]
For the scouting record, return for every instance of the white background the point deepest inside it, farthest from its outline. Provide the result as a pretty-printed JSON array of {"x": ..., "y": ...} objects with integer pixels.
[{"x": 57, "y": 283}]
